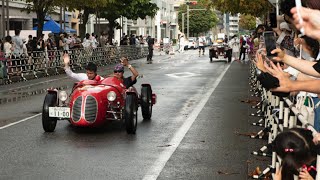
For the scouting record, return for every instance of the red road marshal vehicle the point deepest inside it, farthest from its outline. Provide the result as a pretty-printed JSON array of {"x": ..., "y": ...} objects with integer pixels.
[{"x": 93, "y": 103}]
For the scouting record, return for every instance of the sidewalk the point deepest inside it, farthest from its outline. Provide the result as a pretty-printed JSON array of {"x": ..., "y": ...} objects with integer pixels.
[{"x": 214, "y": 147}]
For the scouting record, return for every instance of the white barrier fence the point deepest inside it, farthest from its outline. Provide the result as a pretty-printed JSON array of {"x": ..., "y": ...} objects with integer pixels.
[
  {"x": 277, "y": 115},
  {"x": 50, "y": 62}
]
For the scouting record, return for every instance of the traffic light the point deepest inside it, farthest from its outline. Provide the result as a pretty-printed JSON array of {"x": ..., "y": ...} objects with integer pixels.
[{"x": 191, "y": 3}]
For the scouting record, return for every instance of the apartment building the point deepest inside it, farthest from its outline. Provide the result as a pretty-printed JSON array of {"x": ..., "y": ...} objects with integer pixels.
[
  {"x": 164, "y": 24},
  {"x": 233, "y": 24}
]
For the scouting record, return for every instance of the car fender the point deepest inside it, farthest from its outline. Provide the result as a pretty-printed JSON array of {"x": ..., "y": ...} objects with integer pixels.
[
  {"x": 154, "y": 96},
  {"x": 54, "y": 91}
]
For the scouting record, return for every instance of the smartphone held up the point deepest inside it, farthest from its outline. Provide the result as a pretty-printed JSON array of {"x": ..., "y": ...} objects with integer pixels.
[{"x": 270, "y": 43}]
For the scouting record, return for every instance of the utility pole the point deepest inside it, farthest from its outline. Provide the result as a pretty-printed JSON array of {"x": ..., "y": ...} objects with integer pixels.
[
  {"x": 8, "y": 21},
  {"x": 64, "y": 18},
  {"x": 188, "y": 9},
  {"x": 182, "y": 23},
  {"x": 188, "y": 21},
  {"x": 60, "y": 19},
  {"x": 3, "y": 25}
]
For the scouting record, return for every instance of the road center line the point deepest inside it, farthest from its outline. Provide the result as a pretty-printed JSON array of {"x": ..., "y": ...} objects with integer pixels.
[
  {"x": 165, "y": 155},
  {"x": 17, "y": 122}
]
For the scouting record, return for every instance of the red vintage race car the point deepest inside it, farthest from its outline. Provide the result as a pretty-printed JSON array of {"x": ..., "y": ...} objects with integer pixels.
[{"x": 93, "y": 103}]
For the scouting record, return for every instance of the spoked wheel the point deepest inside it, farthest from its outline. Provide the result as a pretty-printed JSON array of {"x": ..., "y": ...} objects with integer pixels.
[
  {"x": 131, "y": 114},
  {"x": 146, "y": 102},
  {"x": 49, "y": 123}
]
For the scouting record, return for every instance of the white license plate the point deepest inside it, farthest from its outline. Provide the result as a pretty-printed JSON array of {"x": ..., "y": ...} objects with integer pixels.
[{"x": 61, "y": 112}]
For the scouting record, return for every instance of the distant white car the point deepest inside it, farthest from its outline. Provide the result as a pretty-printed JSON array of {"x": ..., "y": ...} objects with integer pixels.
[{"x": 192, "y": 44}]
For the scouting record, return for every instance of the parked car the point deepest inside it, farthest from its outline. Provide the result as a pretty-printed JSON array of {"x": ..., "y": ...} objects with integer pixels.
[
  {"x": 93, "y": 103},
  {"x": 193, "y": 44}
]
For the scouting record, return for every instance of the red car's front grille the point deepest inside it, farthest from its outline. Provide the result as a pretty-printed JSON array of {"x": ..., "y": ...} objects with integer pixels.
[
  {"x": 76, "y": 109},
  {"x": 91, "y": 109}
]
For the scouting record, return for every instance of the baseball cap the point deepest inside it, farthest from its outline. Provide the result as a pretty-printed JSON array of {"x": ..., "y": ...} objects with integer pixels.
[
  {"x": 285, "y": 25},
  {"x": 119, "y": 67}
]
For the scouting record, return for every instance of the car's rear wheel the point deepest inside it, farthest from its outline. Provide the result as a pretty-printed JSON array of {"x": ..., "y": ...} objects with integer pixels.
[
  {"x": 49, "y": 123},
  {"x": 146, "y": 102},
  {"x": 131, "y": 114}
]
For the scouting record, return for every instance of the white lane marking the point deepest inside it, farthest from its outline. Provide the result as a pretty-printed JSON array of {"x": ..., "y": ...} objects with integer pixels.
[
  {"x": 165, "y": 155},
  {"x": 17, "y": 122},
  {"x": 182, "y": 75}
]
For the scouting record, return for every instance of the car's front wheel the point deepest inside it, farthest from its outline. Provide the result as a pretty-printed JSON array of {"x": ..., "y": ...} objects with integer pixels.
[
  {"x": 49, "y": 123},
  {"x": 131, "y": 114}
]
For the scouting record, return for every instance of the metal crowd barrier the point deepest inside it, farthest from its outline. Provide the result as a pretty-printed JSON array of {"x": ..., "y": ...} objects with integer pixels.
[
  {"x": 49, "y": 62},
  {"x": 277, "y": 114}
]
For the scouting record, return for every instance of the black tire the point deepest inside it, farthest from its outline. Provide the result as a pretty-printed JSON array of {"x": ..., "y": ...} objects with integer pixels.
[
  {"x": 229, "y": 56},
  {"x": 131, "y": 114},
  {"x": 210, "y": 58},
  {"x": 146, "y": 102},
  {"x": 48, "y": 123}
]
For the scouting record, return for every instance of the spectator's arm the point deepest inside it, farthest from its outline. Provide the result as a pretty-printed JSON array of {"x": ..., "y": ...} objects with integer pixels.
[
  {"x": 303, "y": 66},
  {"x": 287, "y": 85}
]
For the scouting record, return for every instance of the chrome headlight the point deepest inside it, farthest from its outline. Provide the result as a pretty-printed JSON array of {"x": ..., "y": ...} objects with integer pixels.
[
  {"x": 111, "y": 96},
  {"x": 63, "y": 96}
]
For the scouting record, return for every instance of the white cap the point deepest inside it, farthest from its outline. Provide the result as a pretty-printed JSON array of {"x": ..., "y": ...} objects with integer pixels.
[{"x": 284, "y": 25}]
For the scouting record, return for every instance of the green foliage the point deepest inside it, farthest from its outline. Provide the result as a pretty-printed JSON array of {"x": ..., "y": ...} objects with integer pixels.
[
  {"x": 199, "y": 20},
  {"x": 253, "y": 7},
  {"x": 131, "y": 9},
  {"x": 247, "y": 22},
  {"x": 41, "y": 8}
]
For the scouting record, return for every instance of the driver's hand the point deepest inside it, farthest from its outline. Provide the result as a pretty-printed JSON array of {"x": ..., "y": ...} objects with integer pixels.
[
  {"x": 66, "y": 59},
  {"x": 124, "y": 61}
]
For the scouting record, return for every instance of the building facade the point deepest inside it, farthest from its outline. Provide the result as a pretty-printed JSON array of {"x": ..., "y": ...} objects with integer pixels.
[
  {"x": 20, "y": 19},
  {"x": 164, "y": 24}
]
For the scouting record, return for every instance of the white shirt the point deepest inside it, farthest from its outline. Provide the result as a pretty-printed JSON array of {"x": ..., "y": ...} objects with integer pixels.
[
  {"x": 18, "y": 45},
  {"x": 76, "y": 76},
  {"x": 7, "y": 49}
]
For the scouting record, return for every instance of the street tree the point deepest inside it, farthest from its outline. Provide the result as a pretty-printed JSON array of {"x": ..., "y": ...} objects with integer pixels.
[
  {"x": 254, "y": 7},
  {"x": 199, "y": 20},
  {"x": 41, "y": 8},
  {"x": 131, "y": 9},
  {"x": 247, "y": 22},
  {"x": 88, "y": 7}
]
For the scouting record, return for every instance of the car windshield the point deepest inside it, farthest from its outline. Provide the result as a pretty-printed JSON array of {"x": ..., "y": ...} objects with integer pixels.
[{"x": 190, "y": 40}]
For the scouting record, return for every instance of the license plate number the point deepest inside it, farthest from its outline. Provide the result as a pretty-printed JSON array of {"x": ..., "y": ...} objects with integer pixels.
[{"x": 61, "y": 112}]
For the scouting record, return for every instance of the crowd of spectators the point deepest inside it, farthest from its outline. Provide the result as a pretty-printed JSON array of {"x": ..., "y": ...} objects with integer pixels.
[{"x": 293, "y": 69}]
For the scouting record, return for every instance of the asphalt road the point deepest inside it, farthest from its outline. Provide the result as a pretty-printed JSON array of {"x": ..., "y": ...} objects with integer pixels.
[{"x": 183, "y": 84}]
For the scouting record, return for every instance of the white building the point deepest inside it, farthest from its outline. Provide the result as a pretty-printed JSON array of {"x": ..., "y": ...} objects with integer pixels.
[
  {"x": 233, "y": 24},
  {"x": 164, "y": 24},
  {"x": 19, "y": 19}
]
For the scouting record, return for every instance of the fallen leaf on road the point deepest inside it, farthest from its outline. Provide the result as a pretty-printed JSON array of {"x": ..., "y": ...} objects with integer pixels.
[
  {"x": 227, "y": 173},
  {"x": 246, "y": 134},
  {"x": 168, "y": 145}
]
